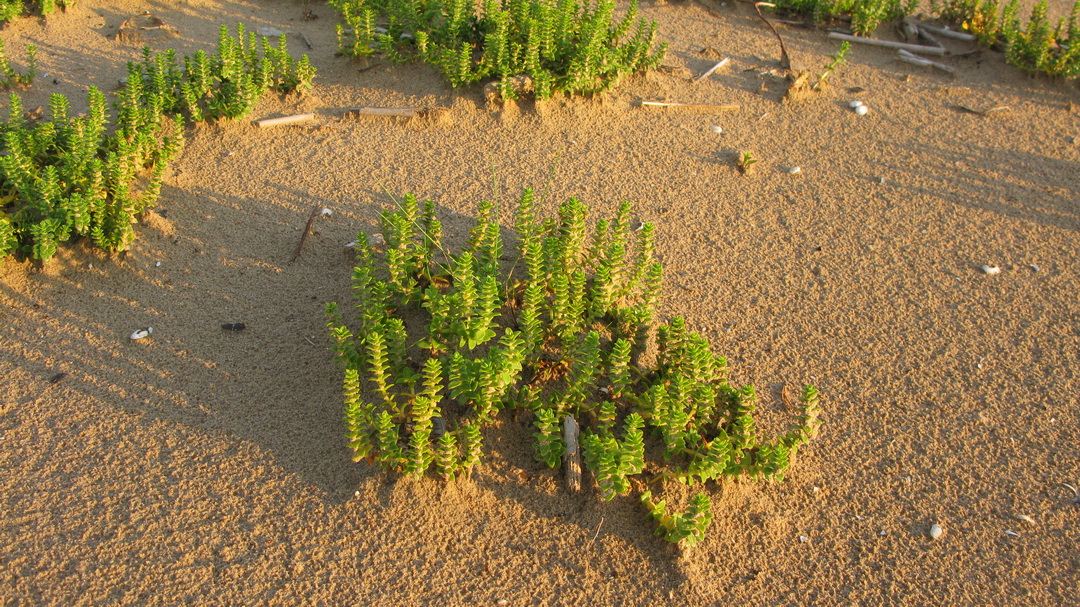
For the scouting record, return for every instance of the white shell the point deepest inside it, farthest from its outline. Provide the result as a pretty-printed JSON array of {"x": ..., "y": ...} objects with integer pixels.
[
  {"x": 862, "y": 110},
  {"x": 855, "y": 104},
  {"x": 141, "y": 333},
  {"x": 326, "y": 212},
  {"x": 1011, "y": 533},
  {"x": 936, "y": 531},
  {"x": 1025, "y": 518},
  {"x": 716, "y": 129},
  {"x": 803, "y": 539},
  {"x": 794, "y": 170},
  {"x": 991, "y": 270}
]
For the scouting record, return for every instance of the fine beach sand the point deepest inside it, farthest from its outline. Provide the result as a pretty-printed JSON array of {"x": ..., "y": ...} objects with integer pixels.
[{"x": 206, "y": 466}]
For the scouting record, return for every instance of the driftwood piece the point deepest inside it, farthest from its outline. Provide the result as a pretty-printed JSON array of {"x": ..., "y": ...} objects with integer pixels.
[
  {"x": 914, "y": 48},
  {"x": 700, "y": 106},
  {"x": 712, "y": 69},
  {"x": 907, "y": 57},
  {"x": 572, "y": 456},
  {"x": 284, "y": 120},
  {"x": 947, "y": 33}
]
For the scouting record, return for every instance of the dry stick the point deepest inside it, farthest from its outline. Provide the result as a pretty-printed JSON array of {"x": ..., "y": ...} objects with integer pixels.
[
  {"x": 785, "y": 61},
  {"x": 907, "y": 57},
  {"x": 306, "y": 41},
  {"x": 307, "y": 228},
  {"x": 706, "y": 106},
  {"x": 915, "y": 48},
  {"x": 407, "y": 112},
  {"x": 572, "y": 457},
  {"x": 712, "y": 69},
  {"x": 284, "y": 120},
  {"x": 940, "y": 31}
]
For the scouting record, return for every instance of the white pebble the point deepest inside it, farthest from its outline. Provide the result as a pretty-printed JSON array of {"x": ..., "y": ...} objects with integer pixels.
[
  {"x": 1025, "y": 518},
  {"x": 716, "y": 129},
  {"x": 1034, "y": 267},
  {"x": 326, "y": 212},
  {"x": 862, "y": 110},
  {"x": 141, "y": 333},
  {"x": 157, "y": 264},
  {"x": 991, "y": 270},
  {"x": 855, "y": 104},
  {"x": 803, "y": 539},
  {"x": 936, "y": 531},
  {"x": 794, "y": 170}
]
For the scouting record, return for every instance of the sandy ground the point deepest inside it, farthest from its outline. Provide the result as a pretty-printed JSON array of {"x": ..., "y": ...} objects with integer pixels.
[{"x": 206, "y": 466}]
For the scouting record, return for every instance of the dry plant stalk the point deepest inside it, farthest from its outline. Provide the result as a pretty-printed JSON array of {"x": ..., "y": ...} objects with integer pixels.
[
  {"x": 712, "y": 69},
  {"x": 307, "y": 230},
  {"x": 785, "y": 61},
  {"x": 702, "y": 106},
  {"x": 404, "y": 112}
]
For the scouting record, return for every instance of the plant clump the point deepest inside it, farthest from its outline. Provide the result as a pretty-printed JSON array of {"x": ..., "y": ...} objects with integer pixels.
[
  {"x": 443, "y": 343},
  {"x": 559, "y": 45},
  {"x": 10, "y": 9},
  {"x": 71, "y": 176}
]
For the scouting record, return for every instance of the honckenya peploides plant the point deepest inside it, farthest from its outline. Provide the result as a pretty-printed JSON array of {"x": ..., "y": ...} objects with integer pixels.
[
  {"x": 443, "y": 342},
  {"x": 80, "y": 176}
]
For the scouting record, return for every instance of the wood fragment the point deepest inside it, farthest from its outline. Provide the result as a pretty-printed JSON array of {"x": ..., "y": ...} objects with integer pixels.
[
  {"x": 914, "y": 48},
  {"x": 712, "y": 69},
  {"x": 907, "y": 29},
  {"x": 284, "y": 120},
  {"x": 307, "y": 228},
  {"x": 703, "y": 106},
  {"x": 907, "y": 57},
  {"x": 572, "y": 456},
  {"x": 306, "y": 41},
  {"x": 406, "y": 112},
  {"x": 947, "y": 33}
]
